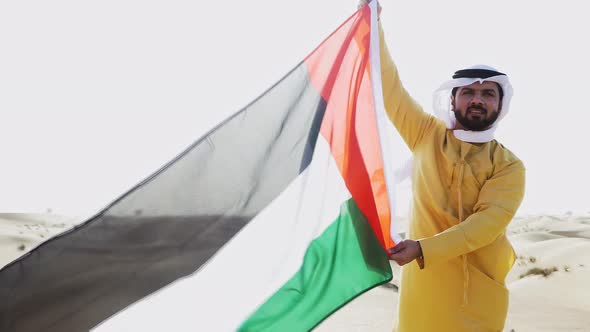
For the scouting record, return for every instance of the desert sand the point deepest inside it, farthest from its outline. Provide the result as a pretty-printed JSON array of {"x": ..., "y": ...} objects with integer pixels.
[
  {"x": 549, "y": 284},
  {"x": 21, "y": 232}
]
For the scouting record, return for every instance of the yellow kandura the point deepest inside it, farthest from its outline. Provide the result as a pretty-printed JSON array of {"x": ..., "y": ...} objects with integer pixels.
[{"x": 464, "y": 196}]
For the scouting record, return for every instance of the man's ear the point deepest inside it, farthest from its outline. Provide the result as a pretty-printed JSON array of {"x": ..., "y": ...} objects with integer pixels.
[{"x": 453, "y": 102}]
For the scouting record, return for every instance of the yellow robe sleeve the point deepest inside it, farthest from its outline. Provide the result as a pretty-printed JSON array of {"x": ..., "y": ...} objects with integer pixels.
[
  {"x": 407, "y": 116},
  {"x": 498, "y": 200}
]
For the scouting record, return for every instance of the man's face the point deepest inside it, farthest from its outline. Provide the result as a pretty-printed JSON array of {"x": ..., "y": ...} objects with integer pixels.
[{"x": 477, "y": 106}]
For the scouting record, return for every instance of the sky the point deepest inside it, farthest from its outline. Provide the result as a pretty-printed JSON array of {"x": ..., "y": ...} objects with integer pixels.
[{"x": 97, "y": 95}]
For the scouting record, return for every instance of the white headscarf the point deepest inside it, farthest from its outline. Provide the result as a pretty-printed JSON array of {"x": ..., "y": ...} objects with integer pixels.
[{"x": 443, "y": 109}]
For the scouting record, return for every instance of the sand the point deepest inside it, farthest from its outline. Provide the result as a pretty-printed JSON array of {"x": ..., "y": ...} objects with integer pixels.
[
  {"x": 21, "y": 232},
  {"x": 557, "y": 245}
]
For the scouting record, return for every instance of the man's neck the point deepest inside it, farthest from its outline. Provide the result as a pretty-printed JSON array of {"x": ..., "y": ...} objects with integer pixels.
[{"x": 459, "y": 126}]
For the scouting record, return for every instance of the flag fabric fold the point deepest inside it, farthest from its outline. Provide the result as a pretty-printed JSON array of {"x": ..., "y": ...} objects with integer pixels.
[{"x": 271, "y": 221}]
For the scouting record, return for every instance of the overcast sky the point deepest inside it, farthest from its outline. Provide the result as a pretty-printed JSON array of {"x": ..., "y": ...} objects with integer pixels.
[{"x": 96, "y": 95}]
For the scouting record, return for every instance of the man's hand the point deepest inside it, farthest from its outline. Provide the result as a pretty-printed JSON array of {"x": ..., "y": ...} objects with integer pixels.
[
  {"x": 364, "y": 2},
  {"x": 405, "y": 252}
]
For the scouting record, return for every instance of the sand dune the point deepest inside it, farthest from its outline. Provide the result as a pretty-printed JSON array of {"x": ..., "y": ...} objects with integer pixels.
[
  {"x": 549, "y": 284},
  {"x": 21, "y": 232},
  {"x": 560, "y": 301}
]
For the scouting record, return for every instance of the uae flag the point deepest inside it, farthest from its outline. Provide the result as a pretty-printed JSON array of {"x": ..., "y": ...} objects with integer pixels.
[{"x": 272, "y": 221}]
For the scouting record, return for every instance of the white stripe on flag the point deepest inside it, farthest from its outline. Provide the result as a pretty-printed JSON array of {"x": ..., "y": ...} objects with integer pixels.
[
  {"x": 253, "y": 265},
  {"x": 388, "y": 144}
]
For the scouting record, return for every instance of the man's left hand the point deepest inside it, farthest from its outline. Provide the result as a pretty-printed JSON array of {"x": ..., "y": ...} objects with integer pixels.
[{"x": 405, "y": 252}]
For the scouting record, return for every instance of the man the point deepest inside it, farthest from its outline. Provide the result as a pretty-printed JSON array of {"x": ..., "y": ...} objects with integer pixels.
[{"x": 466, "y": 189}]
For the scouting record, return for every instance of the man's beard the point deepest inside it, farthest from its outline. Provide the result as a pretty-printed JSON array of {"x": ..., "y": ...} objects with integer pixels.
[{"x": 477, "y": 124}]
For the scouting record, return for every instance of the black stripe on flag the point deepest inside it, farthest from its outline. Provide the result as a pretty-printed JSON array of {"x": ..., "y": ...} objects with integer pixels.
[{"x": 171, "y": 223}]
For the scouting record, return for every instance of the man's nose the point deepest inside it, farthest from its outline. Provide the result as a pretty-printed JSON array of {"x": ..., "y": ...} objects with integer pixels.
[{"x": 477, "y": 99}]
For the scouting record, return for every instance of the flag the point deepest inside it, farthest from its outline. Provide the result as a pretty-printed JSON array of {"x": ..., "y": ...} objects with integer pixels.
[{"x": 273, "y": 220}]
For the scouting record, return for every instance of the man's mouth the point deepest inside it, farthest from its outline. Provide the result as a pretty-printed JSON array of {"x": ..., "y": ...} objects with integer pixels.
[{"x": 476, "y": 111}]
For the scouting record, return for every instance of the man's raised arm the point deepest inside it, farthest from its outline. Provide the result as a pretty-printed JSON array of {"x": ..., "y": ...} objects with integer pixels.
[{"x": 407, "y": 116}]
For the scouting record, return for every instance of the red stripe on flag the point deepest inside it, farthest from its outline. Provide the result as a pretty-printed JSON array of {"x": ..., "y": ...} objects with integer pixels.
[{"x": 339, "y": 68}]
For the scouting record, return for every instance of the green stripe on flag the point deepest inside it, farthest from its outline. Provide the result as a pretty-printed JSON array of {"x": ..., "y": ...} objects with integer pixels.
[{"x": 343, "y": 262}]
